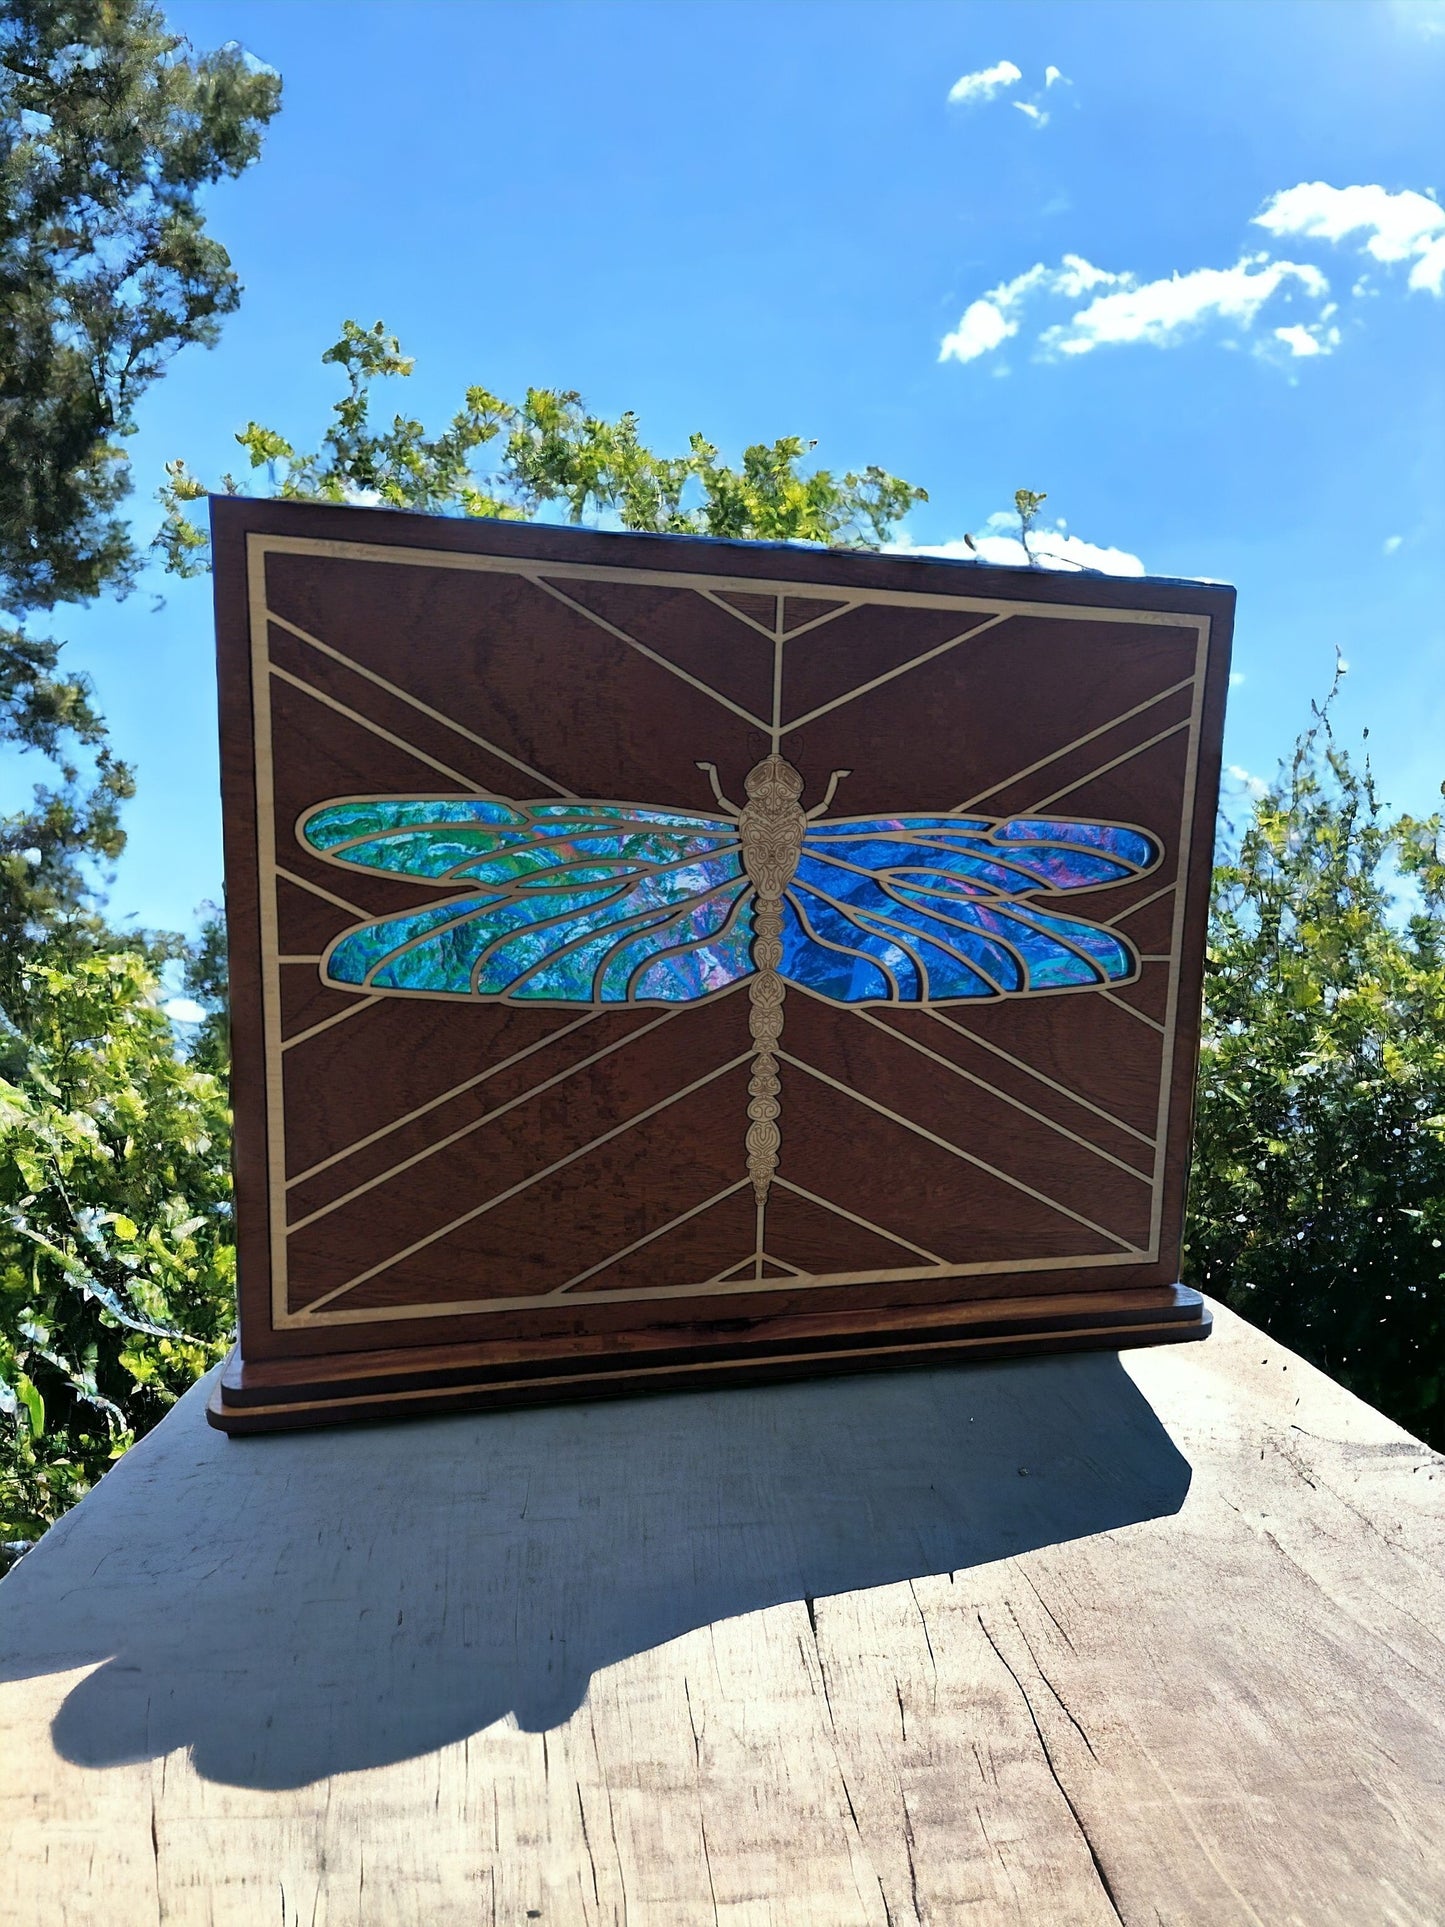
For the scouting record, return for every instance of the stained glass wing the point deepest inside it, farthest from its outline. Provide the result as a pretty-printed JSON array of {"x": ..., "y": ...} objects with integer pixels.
[
  {"x": 569, "y": 902},
  {"x": 918, "y": 908}
]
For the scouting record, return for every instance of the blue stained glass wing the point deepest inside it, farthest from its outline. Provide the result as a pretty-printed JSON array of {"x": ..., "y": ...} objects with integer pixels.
[
  {"x": 930, "y": 908},
  {"x": 569, "y": 902}
]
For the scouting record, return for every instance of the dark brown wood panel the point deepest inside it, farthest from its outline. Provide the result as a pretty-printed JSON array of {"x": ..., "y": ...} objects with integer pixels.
[{"x": 427, "y": 1166}]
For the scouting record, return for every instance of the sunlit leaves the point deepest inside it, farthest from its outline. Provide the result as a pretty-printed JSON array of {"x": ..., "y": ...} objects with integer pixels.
[
  {"x": 116, "y": 1264},
  {"x": 548, "y": 453},
  {"x": 1318, "y": 1194}
]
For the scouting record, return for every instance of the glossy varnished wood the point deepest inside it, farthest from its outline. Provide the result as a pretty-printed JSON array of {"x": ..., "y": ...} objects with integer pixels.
[
  {"x": 436, "y": 1176},
  {"x": 276, "y": 1395}
]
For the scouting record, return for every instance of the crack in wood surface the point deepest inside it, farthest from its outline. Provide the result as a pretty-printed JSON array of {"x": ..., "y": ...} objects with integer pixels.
[
  {"x": 885, "y": 1759},
  {"x": 1084, "y": 1833}
]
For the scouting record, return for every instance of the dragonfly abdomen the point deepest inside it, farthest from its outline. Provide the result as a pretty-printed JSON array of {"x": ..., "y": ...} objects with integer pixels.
[{"x": 771, "y": 828}]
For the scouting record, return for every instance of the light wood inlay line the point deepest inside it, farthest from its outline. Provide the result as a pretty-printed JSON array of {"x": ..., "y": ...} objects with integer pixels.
[
  {"x": 415, "y": 702},
  {"x": 916, "y": 662},
  {"x": 738, "y": 615},
  {"x": 993, "y": 1090},
  {"x": 651, "y": 654},
  {"x": 1127, "y": 756},
  {"x": 1119, "y": 1004},
  {"x": 525, "y": 1184},
  {"x": 776, "y": 732},
  {"x": 1039, "y": 1076},
  {"x": 267, "y": 915},
  {"x": 329, "y": 1023},
  {"x": 754, "y": 1263},
  {"x": 1018, "y": 776},
  {"x": 805, "y": 1281},
  {"x": 310, "y": 959},
  {"x": 662, "y": 1230},
  {"x": 816, "y": 622},
  {"x": 982, "y": 1164},
  {"x": 864, "y": 1224},
  {"x": 477, "y": 1123},
  {"x": 767, "y": 1258},
  {"x": 1176, "y": 935},
  {"x": 468, "y": 783},
  {"x": 445, "y": 1097},
  {"x": 721, "y": 1277},
  {"x": 327, "y": 896},
  {"x": 591, "y": 572},
  {"x": 1143, "y": 903}
]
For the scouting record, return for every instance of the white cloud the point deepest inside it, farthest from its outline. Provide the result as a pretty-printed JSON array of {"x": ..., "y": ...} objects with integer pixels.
[
  {"x": 1392, "y": 542},
  {"x": 1077, "y": 276},
  {"x": 982, "y": 327},
  {"x": 1429, "y": 271},
  {"x": 1160, "y": 312},
  {"x": 1403, "y": 226},
  {"x": 1308, "y": 341},
  {"x": 1008, "y": 294},
  {"x": 1245, "y": 784},
  {"x": 1035, "y": 114},
  {"x": 988, "y": 322},
  {"x": 1236, "y": 677},
  {"x": 1051, "y": 74},
  {"x": 969, "y": 88},
  {"x": 184, "y": 1010},
  {"x": 1051, "y": 550}
]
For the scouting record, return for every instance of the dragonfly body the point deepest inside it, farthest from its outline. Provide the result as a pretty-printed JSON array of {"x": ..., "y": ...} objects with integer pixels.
[{"x": 771, "y": 827}]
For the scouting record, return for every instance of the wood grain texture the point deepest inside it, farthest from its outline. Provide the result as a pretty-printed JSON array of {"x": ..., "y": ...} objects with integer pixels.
[
  {"x": 418, "y": 1169},
  {"x": 1098, "y": 1639},
  {"x": 276, "y": 1394}
]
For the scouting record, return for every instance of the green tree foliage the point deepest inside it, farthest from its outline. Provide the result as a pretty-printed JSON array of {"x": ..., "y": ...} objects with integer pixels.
[
  {"x": 106, "y": 269},
  {"x": 116, "y": 1261},
  {"x": 114, "y": 1247},
  {"x": 110, "y": 127},
  {"x": 552, "y": 456},
  {"x": 1317, "y": 1205}
]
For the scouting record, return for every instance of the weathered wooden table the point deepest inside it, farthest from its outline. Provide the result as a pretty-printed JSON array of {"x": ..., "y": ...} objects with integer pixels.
[{"x": 1084, "y": 1639}]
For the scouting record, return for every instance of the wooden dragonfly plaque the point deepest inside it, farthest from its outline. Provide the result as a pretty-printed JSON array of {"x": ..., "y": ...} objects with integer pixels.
[{"x": 658, "y": 961}]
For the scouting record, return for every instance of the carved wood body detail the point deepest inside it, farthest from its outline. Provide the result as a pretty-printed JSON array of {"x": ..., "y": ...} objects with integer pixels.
[{"x": 771, "y": 826}]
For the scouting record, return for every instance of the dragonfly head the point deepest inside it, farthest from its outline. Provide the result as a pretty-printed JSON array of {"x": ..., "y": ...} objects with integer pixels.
[{"x": 773, "y": 782}]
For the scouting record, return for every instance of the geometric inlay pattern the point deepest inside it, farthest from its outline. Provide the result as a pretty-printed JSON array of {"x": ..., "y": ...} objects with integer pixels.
[{"x": 428, "y": 1153}]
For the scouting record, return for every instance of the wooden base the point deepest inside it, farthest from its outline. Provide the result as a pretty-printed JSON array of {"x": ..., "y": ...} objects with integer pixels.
[{"x": 334, "y": 1388}]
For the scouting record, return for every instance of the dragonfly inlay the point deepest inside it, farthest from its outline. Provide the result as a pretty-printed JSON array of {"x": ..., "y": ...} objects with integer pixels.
[{"x": 619, "y": 903}]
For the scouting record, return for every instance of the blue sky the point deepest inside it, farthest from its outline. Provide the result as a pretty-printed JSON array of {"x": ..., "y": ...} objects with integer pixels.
[{"x": 768, "y": 219}]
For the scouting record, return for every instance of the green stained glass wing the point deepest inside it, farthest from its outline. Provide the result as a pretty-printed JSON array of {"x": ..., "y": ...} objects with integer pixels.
[{"x": 568, "y": 902}]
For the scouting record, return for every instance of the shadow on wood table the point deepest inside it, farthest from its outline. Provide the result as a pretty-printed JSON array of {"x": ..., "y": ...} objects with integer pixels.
[{"x": 291, "y": 1607}]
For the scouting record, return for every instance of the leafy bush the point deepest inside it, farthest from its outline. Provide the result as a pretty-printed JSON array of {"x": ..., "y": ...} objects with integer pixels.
[
  {"x": 116, "y": 1262},
  {"x": 1317, "y": 1205}
]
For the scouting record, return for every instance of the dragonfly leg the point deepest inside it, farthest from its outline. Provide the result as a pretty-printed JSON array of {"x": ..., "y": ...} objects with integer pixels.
[
  {"x": 727, "y": 804},
  {"x": 834, "y": 780}
]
